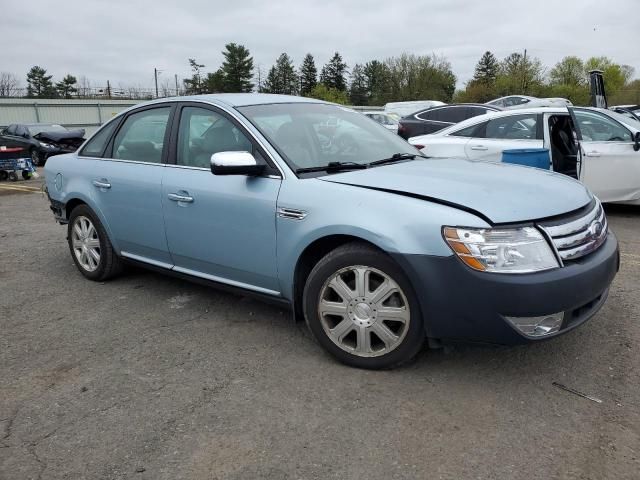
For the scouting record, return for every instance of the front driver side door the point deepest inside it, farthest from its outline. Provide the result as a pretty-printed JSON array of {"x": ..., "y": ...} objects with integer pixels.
[
  {"x": 611, "y": 167},
  {"x": 222, "y": 228}
]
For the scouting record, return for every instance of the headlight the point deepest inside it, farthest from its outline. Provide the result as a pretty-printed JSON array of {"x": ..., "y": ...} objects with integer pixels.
[
  {"x": 46, "y": 145},
  {"x": 502, "y": 250}
]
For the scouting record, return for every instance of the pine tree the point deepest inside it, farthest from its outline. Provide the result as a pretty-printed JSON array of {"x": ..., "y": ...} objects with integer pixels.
[
  {"x": 237, "y": 68},
  {"x": 67, "y": 86},
  {"x": 358, "y": 90},
  {"x": 486, "y": 69},
  {"x": 333, "y": 73},
  {"x": 308, "y": 75},
  {"x": 39, "y": 84},
  {"x": 282, "y": 77},
  {"x": 215, "y": 82}
]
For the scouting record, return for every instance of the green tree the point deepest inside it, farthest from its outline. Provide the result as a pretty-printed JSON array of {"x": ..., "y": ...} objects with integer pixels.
[
  {"x": 568, "y": 71},
  {"x": 377, "y": 82},
  {"x": 308, "y": 75},
  {"x": 520, "y": 75},
  {"x": 39, "y": 84},
  {"x": 322, "y": 92},
  {"x": 282, "y": 77},
  {"x": 486, "y": 69},
  {"x": 67, "y": 86},
  {"x": 215, "y": 82},
  {"x": 237, "y": 68},
  {"x": 358, "y": 94},
  {"x": 334, "y": 73},
  {"x": 413, "y": 77},
  {"x": 195, "y": 84}
]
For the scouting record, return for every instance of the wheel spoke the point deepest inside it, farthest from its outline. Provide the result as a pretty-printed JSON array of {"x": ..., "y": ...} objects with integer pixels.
[
  {"x": 91, "y": 231},
  {"x": 340, "y": 330},
  {"x": 385, "y": 289},
  {"x": 93, "y": 243},
  {"x": 333, "y": 308},
  {"x": 341, "y": 288},
  {"x": 399, "y": 314},
  {"x": 364, "y": 341},
  {"x": 362, "y": 279},
  {"x": 93, "y": 253},
  {"x": 77, "y": 229},
  {"x": 386, "y": 335}
]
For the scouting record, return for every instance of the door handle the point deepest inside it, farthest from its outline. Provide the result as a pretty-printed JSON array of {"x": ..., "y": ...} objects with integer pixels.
[
  {"x": 592, "y": 154},
  {"x": 479, "y": 147},
  {"x": 101, "y": 183},
  {"x": 176, "y": 197}
]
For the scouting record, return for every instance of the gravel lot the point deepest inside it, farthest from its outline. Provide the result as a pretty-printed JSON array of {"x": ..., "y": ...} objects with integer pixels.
[{"x": 149, "y": 377}]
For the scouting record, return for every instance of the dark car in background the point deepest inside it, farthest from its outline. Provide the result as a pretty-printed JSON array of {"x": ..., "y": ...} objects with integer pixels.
[
  {"x": 43, "y": 140},
  {"x": 434, "y": 119}
]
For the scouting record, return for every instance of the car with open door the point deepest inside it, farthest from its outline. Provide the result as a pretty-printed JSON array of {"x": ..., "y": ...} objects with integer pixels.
[
  {"x": 597, "y": 146},
  {"x": 376, "y": 247}
]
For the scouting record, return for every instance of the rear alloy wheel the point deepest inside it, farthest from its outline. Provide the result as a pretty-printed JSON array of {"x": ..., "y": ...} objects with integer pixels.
[
  {"x": 90, "y": 247},
  {"x": 361, "y": 308}
]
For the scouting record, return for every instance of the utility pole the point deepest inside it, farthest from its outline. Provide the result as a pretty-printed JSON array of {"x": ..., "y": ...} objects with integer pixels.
[
  {"x": 155, "y": 76},
  {"x": 108, "y": 89},
  {"x": 177, "y": 90}
]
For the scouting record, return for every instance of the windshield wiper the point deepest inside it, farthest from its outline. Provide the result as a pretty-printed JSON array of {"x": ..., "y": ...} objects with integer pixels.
[
  {"x": 334, "y": 167},
  {"x": 396, "y": 157}
]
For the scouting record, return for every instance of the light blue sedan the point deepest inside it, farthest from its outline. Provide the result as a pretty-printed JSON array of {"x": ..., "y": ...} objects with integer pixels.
[{"x": 317, "y": 207}]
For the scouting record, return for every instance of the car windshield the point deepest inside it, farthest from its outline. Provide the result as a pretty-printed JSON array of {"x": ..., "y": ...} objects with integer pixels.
[
  {"x": 36, "y": 129},
  {"x": 311, "y": 135},
  {"x": 624, "y": 119}
]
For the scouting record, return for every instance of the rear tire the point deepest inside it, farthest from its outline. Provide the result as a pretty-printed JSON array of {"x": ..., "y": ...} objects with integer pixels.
[
  {"x": 13, "y": 176},
  {"x": 90, "y": 246},
  {"x": 361, "y": 307}
]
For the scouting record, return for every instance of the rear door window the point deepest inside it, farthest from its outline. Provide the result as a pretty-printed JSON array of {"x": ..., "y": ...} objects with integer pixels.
[
  {"x": 96, "y": 146},
  {"x": 454, "y": 114},
  {"x": 512, "y": 127},
  {"x": 142, "y": 136}
]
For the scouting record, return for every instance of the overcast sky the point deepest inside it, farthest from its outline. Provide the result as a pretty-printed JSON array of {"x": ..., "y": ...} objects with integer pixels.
[{"x": 124, "y": 40}]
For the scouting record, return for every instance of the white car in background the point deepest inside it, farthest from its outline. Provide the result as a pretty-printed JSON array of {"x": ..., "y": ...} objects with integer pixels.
[
  {"x": 402, "y": 109},
  {"x": 597, "y": 146},
  {"x": 523, "y": 101},
  {"x": 390, "y": 122}
]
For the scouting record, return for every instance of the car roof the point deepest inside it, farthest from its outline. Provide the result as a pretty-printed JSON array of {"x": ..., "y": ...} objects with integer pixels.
[{"x": 246, "y": 99}]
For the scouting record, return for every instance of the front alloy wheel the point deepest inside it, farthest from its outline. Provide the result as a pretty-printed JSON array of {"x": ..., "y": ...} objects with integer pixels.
[
  {"x": 364, "y": 311},
  {"x": 361, "y": 307}
]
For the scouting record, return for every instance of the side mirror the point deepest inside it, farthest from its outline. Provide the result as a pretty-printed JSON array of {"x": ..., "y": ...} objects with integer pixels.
[
  {"x": 636, "y": 139},
  {"x": 235, "y": 163}
]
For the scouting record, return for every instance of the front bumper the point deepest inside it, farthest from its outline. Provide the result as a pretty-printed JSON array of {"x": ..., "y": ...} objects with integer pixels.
[{"x": 460, "y": 304}]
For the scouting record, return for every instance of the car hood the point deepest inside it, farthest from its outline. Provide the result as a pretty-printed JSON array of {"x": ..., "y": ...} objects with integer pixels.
[{"x": 499, "y": 193}]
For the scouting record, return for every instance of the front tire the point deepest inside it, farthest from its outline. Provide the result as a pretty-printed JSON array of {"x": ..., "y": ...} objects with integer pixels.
[
  {"x": 36, "y": 158},
  {"x": 361, "y": 308},
  {"x": 90, "y": 247}
]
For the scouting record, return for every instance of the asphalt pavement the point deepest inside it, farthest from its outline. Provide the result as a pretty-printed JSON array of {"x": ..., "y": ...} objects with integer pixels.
[{"x": 151, "y": 377}]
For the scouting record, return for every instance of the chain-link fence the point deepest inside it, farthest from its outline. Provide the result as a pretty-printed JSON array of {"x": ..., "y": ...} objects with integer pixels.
[{"x": 99, "y": 93}]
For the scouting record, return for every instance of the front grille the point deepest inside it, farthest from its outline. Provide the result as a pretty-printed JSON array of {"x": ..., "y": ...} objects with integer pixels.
[{"x": 575, "y": 238}]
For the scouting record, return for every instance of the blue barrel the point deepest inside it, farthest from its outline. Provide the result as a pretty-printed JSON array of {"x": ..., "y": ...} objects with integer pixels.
[{"x": 529, "y": 157}]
